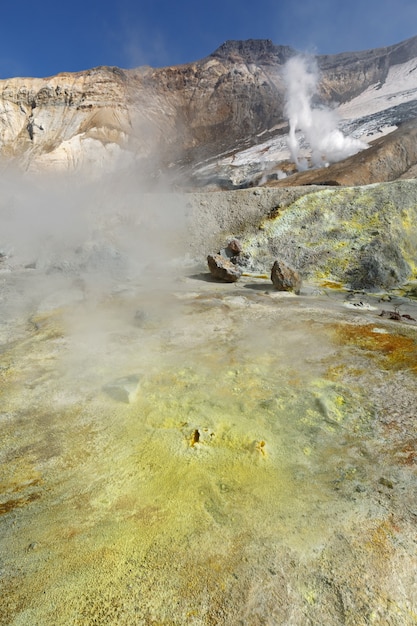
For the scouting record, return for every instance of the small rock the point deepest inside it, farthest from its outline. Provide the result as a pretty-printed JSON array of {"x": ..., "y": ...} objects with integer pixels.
[
  {"x": 285, "y": 278},
  {"x": 123, "y": 389},
  {"x": 234, "y": 247},
  {"x": 386, "y": 482},
  {"x": 223, "y": 269}
]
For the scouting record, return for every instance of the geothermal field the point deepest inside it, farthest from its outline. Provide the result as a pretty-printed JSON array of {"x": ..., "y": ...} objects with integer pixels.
[
  {"x": 178, "y": 450},
  {"x": 184, "y": 439}
]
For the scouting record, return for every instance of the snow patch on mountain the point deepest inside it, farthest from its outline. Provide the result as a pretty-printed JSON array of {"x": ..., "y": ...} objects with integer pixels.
[{"x": 399, "y": 87}]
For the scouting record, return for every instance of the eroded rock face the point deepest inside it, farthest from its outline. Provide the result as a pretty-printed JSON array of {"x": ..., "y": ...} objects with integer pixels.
[
  {"x": 56, "y": 122},
  {"x": 66, "y": 120}
]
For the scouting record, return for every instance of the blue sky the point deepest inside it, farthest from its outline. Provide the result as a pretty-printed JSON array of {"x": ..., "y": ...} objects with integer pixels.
[{"x": 42, "y": 39}]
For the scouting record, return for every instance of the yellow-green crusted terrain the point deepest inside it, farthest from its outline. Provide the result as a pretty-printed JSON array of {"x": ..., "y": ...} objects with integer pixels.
[
  {"x": 361, "y": 236},
  {"x": 260, "y": 467}
]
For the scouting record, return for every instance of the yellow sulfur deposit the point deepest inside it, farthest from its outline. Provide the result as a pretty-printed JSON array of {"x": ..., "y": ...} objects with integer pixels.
[{"x": 209, "y": 465}]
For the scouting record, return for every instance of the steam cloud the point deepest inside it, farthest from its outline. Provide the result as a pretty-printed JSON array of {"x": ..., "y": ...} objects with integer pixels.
[
  {"x": 80, "y": 246},
  {"x": 317, "y": 123},
  {"x": 68, "y": 225}
]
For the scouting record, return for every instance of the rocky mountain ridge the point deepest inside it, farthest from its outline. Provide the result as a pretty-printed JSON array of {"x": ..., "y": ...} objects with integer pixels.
[{"x": 184, "y": 118}]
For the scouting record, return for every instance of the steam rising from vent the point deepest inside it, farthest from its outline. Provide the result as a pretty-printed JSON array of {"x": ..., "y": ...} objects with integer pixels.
[
  {"x": 70, "y": 242},
  {"x": 318, "y": 124},
  {"x": 93, "y": 260},
  {"x": 62, "y": 224}
]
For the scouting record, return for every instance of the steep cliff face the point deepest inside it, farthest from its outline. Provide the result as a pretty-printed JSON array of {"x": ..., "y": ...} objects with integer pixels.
[
  {"x": 62, "y": 121},
  {"x": 348, "y": 74},
  {"x": 227, "y": 102},
  {"x": 56, "y": 121}
]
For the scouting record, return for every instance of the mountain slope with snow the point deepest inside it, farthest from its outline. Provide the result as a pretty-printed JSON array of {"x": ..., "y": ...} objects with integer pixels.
[{"x": 223, "y": 122}]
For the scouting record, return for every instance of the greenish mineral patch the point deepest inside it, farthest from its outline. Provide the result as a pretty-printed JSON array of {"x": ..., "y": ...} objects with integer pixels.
[{"x": 364, "y": 237}]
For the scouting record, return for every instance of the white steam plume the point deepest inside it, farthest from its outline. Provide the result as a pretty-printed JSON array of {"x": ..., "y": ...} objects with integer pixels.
[
  {"x": 102, "y": 257},
  {"x": 318, "y": 124}
]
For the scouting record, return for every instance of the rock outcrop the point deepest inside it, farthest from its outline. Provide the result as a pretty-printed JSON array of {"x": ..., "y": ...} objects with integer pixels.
[
  {"x": 363, "y": 237},
  {"x": 64, "y": 121}
]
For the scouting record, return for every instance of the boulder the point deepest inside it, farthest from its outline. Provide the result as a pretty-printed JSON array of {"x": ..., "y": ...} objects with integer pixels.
[
  {"x": 223, "y": 269},
  {"x": 285, "y": 278},
  {"x": 379, "y": 264}
]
